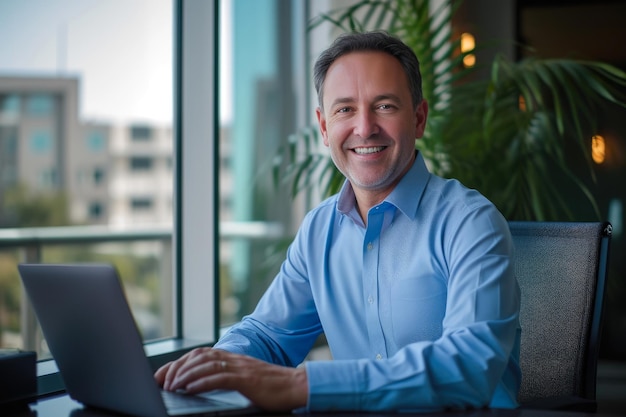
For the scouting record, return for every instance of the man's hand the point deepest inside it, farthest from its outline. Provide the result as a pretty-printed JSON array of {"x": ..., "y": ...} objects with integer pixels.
[{"x": 270, "y": 387}]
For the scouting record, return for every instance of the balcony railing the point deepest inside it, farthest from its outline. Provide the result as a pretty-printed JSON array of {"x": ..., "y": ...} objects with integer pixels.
[{"x": 29, "y": 245}]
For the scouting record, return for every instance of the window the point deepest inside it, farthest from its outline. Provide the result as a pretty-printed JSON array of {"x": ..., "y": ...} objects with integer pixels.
[
  {"x": 141, "y": 203},
  {"x": 141, "y": 163},
  {"x": 186, "y": 315},
  {"x": 141, "y": 133},
  {"x": 48, "y": 178},
  {"x": 98, "y": 176},
  {"x": 66, "y": 121},
  {"x": 8, "y": 140},
  {"x": 96, "y": 141},
  {"x": 41, "y": 142},
  {"x": 40, "y": 105},
  {"x": 9, "y": 107},
  {"x": 96, "y": 210}
]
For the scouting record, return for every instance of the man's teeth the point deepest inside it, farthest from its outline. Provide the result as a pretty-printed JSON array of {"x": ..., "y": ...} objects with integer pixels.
[{"x": 364, "y": 151}]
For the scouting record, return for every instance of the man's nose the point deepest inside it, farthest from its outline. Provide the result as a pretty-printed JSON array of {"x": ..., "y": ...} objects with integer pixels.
[{"x": 366, "y": 124}]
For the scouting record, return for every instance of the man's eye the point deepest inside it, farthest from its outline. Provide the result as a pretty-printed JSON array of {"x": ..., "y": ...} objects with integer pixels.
[
  {"x": 384, "y": 106},
  {"x": 343, "y": 110}
]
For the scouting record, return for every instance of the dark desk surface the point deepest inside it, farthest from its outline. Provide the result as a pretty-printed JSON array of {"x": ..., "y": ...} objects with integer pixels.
[{"x": 63, "y": 406}]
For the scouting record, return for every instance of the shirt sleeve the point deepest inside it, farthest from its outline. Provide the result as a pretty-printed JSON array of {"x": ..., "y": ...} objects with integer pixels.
[
  {"x": 465, "y": 367},
  {"x": 284, "y": 325}
]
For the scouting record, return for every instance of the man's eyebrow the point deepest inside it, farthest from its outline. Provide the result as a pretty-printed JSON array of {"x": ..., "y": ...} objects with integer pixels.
[
  {"x": 392, "y": 97},
  {"x": 341, "y": 100},
  {"x": 381, "y": 97}
]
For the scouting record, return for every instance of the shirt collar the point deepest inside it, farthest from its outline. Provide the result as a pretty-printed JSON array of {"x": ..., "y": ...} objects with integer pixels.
[{"x": 405, "y": 196}]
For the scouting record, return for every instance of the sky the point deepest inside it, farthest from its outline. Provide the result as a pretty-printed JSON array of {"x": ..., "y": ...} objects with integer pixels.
[{"x": 120, "y": 49}]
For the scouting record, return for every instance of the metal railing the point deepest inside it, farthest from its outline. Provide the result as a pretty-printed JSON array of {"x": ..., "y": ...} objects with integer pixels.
[{"x": 30, "y": 243}]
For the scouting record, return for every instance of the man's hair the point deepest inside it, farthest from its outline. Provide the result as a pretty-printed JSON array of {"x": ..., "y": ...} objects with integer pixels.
[{"x": 369, "y": 42}]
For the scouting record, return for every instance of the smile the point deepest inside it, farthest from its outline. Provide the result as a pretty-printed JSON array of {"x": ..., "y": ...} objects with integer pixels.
[{"x": 365, "y": 151}]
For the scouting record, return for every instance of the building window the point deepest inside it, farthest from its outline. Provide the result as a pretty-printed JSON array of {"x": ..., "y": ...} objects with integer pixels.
[
  {"x": 41, "y": 141},
  {"x": 98, "y": 176},
  {"x": 141, "y": 203},
  {"x": 10, "y": 107},
  {"x": 48, "y": 178},
  {"x": 141, "y": 163},
  {"x": 96, "y": 141},
  {"x": 140, "y": 133},
  {"x": 8, "y": 140},
  {"x": 96, "y": 210},
  {"x": 40, "y": 105}
]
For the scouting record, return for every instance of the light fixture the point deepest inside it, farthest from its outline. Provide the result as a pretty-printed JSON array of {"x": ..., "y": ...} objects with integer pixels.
[
  {"x": 468, "y": 43},
  {"x": 522, "y": 103},
  {"x": 598, "y": 149}
]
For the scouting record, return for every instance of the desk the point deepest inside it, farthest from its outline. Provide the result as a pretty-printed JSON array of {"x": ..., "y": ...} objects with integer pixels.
[{"x": 63, "y": 406}]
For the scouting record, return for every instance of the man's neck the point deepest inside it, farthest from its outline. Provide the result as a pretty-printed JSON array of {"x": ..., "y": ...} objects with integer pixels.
[{"x": 365, "y": 200}]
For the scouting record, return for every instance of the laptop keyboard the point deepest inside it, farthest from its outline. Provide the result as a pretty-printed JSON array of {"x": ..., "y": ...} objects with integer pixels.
[{"x": 175, "y": 400}]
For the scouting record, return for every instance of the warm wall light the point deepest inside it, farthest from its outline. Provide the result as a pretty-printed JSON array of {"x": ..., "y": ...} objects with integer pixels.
[
  {"x": 468, "y": 44},
  {"x": 522, "y": 103},
  {"x": 598, "y": 149}
]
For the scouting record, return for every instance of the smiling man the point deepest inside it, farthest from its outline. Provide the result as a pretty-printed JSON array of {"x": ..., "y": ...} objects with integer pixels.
[{"x": 407, "y": 274}]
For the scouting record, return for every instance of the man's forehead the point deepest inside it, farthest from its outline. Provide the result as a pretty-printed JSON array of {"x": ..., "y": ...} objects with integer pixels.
[{"x": 364, "y": 70}]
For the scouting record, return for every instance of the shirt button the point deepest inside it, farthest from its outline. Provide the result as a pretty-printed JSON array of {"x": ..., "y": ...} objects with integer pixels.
[
  {"x": 379, "y": 356},
  {"x": 370, "y": 299},
  {"x": 370, "y": 246}
]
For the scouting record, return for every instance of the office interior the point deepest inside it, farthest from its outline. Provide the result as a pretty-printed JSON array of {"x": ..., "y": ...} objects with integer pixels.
[{"x": 121, "y": 189}]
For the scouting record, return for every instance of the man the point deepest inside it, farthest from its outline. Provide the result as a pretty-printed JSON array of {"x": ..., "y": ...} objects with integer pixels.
[{"x": 408, "y": 275}]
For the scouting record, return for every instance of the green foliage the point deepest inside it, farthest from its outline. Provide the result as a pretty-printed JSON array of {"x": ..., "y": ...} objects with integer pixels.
[
  {"x": 25, "y": 208},
  {"x": 509, "y": 136},
  {"x": 477, "y": 131}
]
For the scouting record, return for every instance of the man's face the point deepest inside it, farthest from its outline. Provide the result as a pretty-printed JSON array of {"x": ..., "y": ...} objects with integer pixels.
[{"x": 368, "y": 121}]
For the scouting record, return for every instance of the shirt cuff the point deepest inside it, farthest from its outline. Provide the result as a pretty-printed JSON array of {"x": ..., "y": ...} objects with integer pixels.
[{"x": 333, "y": 385}]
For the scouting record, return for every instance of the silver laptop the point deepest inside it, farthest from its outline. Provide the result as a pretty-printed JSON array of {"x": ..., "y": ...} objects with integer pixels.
[{"x": 91, "y": 333}]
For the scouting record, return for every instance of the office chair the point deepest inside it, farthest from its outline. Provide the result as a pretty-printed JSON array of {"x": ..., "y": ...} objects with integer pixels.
[{"x": 561, "y": 268}]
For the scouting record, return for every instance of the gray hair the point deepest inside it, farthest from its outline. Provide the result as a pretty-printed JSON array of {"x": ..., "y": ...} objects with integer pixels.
[{"x": 370, "y": 42}]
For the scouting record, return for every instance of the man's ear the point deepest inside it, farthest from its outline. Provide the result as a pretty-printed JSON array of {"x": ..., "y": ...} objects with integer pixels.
[
  {"x": 321, "y": 120},
  {"x": 421, "y": 115}
]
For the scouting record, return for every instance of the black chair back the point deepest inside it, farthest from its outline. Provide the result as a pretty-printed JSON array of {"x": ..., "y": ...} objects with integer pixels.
[{"x": 561, "y": 268}]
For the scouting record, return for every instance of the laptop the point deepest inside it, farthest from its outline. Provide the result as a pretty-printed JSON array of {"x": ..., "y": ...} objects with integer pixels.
[{"x": 92, "y": 335}]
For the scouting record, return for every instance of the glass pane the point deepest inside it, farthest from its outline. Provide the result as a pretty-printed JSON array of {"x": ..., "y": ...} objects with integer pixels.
[
  {"x": 86, "y": 150},
  {"x": 261, "y": 80}
]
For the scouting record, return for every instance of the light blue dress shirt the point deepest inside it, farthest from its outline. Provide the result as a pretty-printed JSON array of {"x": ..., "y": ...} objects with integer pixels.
[{"x": 420, "y": 307}]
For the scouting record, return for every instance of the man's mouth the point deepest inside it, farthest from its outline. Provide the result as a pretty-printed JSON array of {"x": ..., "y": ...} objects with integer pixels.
[{"x": 369, "y": 150}]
